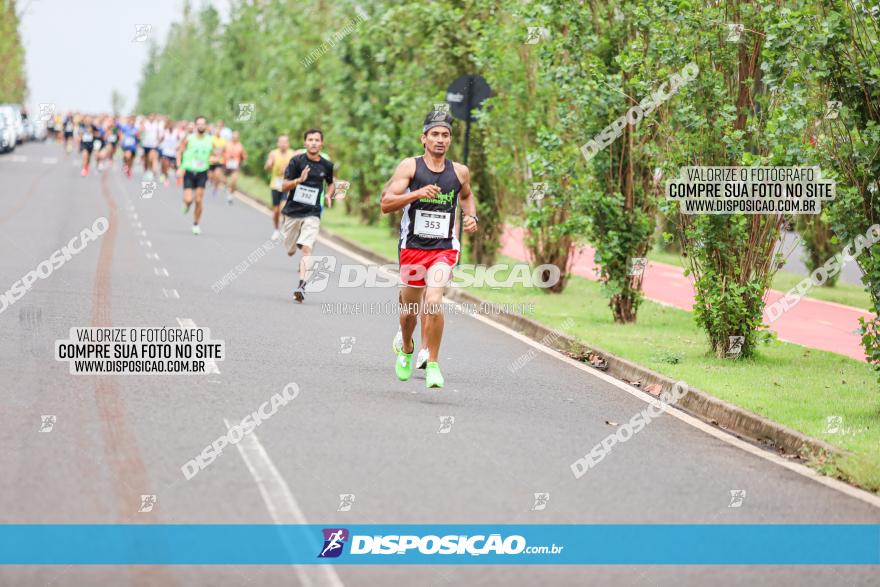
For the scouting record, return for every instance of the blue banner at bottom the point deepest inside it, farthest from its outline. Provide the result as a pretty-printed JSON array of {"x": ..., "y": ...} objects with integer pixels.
[{"x": 613, "y": 544}]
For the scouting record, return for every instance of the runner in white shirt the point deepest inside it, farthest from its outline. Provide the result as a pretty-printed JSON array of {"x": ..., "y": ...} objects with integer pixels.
[
  {"x": 151, "y": 133},
  {"x": 168, "y": 148}
]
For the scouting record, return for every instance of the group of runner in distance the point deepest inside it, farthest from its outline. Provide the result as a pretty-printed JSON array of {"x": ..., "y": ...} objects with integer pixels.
[{"x": 427, "y": 189}]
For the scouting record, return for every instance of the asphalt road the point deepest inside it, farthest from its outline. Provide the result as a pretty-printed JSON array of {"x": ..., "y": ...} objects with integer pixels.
[{"x": 354, "y": 429}]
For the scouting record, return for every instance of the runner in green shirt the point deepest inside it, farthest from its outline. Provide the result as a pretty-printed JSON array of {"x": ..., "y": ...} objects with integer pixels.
[{"x": 192, "y": 165}]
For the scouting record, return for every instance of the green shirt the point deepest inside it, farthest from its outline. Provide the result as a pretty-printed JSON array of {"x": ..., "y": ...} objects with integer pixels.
[{"x": 195, "y": 157}]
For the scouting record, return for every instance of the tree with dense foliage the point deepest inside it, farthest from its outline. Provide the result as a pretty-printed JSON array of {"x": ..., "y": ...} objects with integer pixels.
[
  {"x": 562, "y": 74},
  {"x": 13, "y": 85}
]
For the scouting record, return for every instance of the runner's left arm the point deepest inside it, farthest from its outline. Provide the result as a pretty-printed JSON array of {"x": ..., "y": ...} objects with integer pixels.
[
  {"x": 330, "y": 190},
  {"x": 467, "y": 199}
]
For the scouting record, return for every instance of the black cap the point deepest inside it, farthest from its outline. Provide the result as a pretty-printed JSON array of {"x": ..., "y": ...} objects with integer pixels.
[{"x": 437, "y": 118}]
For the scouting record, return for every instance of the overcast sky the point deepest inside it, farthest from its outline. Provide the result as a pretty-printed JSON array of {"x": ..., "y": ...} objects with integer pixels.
[{"x": 78, "y": 51}]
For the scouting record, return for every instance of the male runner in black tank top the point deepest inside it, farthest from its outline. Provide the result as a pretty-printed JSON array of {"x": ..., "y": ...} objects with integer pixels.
[{"x": 428, "y": 189}]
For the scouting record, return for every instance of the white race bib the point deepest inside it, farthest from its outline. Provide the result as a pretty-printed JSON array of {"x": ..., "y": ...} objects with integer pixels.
[
  {"x": 87, "y": 137},
  {"x": 198, "y": 163},
  {"x": 430, "y": 224},
  {"x": 277, "y": 185},
  {"x": 232, "y": 164},
  {"x": 306, "y": 195}
]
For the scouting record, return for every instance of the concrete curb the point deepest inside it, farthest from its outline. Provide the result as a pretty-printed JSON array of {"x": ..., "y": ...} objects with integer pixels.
[{"x": 710, "y": 409}]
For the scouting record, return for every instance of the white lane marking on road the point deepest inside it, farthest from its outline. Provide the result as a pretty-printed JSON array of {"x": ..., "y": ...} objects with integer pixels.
[
  {"x": 146, "y": 243},
  {"x": 138, "y": 225},
  {"x": 153, "y": 256},
  {"x": 250, "y": 202},
  {"x": 170, "y": 293},
  {"x": 17, "y": 159},
  {"x": 280, "y": 501},
  {"x": 210, "y": 364},
  {"x": 803, "y": 470},
  {"x": 840, "y": 486},
  {"x": 50, "y": 160},
  {"x": 160, "y": 271},
  {"x": 142, "y": 233}
]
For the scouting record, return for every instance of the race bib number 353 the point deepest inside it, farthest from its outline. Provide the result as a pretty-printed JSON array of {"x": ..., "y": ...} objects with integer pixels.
[{"x": 432, "y": 224}]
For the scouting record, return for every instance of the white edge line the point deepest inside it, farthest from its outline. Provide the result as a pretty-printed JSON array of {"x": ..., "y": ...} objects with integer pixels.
[
  {"x": 803, "y": 470},
  {"x": 279, "y": 500},
  {"x": 727, "y": 437},
  {"x": 250, "y": 202}
]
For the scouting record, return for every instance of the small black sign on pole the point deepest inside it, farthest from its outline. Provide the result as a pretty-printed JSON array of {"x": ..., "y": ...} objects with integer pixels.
[{"x": 464, "y": 96}]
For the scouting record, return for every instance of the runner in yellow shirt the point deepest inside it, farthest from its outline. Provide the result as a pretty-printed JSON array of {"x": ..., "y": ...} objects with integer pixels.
[
  {"x": 217, "y": 160},
  {"x": 277, "y": 161}
]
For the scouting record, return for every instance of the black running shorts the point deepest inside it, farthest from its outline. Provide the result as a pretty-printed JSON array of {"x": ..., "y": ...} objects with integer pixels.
[{"x": 195, "y": 179}]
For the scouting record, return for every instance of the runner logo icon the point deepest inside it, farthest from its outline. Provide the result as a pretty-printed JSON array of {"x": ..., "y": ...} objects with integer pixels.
[{"x": 334, "y": 541}]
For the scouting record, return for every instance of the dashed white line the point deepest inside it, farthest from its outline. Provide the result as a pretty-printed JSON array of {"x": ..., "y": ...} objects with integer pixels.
[
  {"x": 153, "y": 256},
  {"x": 170, "y": 293},
  {"x": 146, "y": 243},
  {"x": 210, "y": 364},
  {"x": 280, "y": 502},
  {"x": 160, "y": 271}
]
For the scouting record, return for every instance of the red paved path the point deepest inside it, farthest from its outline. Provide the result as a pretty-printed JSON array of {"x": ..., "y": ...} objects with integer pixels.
[{"x": 811, "y": 323}]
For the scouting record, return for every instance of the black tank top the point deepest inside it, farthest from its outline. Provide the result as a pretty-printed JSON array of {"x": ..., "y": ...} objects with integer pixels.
[{"x": 429, "y": 224}]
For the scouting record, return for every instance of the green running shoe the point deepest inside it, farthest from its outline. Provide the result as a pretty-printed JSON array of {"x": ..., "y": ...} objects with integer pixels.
[
  {"x": 404, "y": 365},
  {"x": 433, "y": 377}
]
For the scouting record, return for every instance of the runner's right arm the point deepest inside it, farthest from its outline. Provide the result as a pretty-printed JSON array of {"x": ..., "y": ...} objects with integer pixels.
[
  {"x": 289, "y": 184},
  {"x": 180, "y": 149},
  {"x": 395, "y": 196}
]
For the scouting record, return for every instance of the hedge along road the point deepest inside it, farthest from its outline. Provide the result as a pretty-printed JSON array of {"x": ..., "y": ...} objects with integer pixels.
[{"x": 352, "y": 429}]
